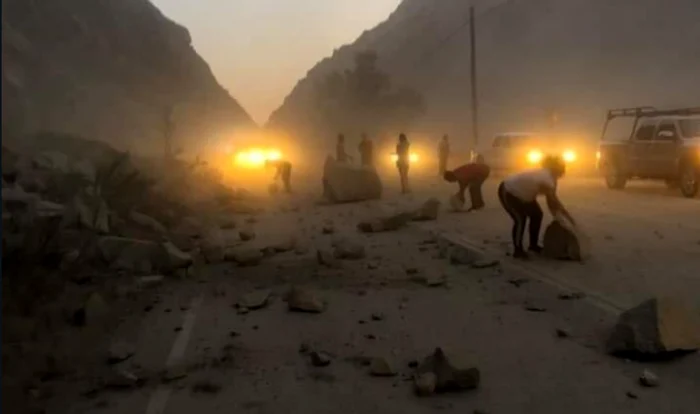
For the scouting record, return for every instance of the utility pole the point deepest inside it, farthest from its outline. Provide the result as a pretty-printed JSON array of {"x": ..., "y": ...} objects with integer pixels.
[{"x": 475, "y": 100}]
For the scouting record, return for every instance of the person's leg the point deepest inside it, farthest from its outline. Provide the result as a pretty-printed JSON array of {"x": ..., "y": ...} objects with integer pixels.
[
  {"x": 476, "y": 195},
  {"x": 535, "y": 214},
  {"x": 514, "y": 208}
]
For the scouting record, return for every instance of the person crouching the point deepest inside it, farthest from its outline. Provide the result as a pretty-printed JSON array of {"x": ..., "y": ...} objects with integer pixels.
[{"x": 470, "y": 176}]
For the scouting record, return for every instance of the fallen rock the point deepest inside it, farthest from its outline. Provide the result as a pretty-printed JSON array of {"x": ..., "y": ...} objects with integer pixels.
[
  {"x": 380, "y": 367},
  {"x": 348, "y": 250},
  {"x": 147, "y": 222},
  {"x": 287, "y": 244},
  {"x": 430, "y": 280},
  {"x": 460, "y": 255},
  {"x": 120, "y": 378},
  {"x": 244, "y": 256},
  {"x": 85, "y": 169},
  {"x": 94, "y": 309},
  {"x": 147, "y": 282},
  {"x": 227, "y": 223},
  {"x": 257, "y": 299},
  {"x": 170, "y": 258},
  {"x": 389, "y": 223},
  {"x": 189, "y": 226},
  {"x": 327, "y": 258},
  {"x": 648, "y": 379},
  {"x": 120, "y": 351},
  {"x": 654, "y": 328},
  {"x": 320, "y": 359},
  {"x": 485, "y": 263},
  {"x": 447, "y": 377},
  {"x": 425, "y": 383},
  {"x": 456, "y": 203},
  {"x": 429, "y": 211},
  {"x": 246, "y": 234},
  {"x": 302, "y": 300},
  {"x": 563, "y": 241},
  {"x": 175, "y": 373},
  {"x": 328, "y": 229},
  {"x": 343, "y": 182},
  {"x": 51, "y": 160},
  {"x": 213, "y": 246},
  {"x": 88, "y": 212},
  {"x": 126, "y": 254}
]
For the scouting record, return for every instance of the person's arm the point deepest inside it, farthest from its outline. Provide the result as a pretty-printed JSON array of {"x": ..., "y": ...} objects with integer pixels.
[{"x": 555, "y": 205}]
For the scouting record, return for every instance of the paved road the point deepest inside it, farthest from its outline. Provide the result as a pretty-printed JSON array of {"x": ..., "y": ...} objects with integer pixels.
[{"x": 646, "y": 239}]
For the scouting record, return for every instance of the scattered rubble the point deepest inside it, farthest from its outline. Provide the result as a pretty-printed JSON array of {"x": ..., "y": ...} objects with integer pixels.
[
  {"x": 255, "y": 300},
  {"x": 389, "y": 223},
  {"x": 327, "y": 258},
  {"x": 343, "y": 183},
  {"x": 446, "y": 377},
  {"x": 655, "y": 328},
  {"x": 345, "y": 249},
  {"x": 380, "y": 367},
  {"x": 648, "y": 379},
  {"x": 319, "y": 359},
  {"x": 429, "y": 211},
  {"x": 563, "y": 241},
  {"x": 244, "y": 256},
  {"x": 303, "y": 300}
]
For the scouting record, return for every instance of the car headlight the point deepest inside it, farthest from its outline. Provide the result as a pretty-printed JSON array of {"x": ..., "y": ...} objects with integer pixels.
[
  {"x": 534, "y": 156},
  {"x": 569, "y": 156}
]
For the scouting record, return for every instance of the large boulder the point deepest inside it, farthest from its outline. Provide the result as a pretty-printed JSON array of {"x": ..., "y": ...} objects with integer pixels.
[
  {"x": 654, "y": 328},
  {"x": 564, "y": 241},
  {"x": 344, "y": 183}
]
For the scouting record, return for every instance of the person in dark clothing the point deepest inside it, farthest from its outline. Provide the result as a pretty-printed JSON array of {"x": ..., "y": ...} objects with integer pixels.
[
  {"x": 403, "y": 161},
  {"x": 366, "y": 150},
  {"x": 518, "y": 194},
  {"x": 283, "y": 171},
  {"x": 470, "y": 176},
  {"x": 340, "y": 154}
]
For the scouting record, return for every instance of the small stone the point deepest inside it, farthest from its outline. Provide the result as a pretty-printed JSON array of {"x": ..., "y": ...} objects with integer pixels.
[
  {"x": 147, "y": 282},
  {"x": 649, "y": 379},
  {"x": 206, "y": 387},
  {"x": 302, "y": 300},
  {"x": 377, "y": 316},
  {"x": 246, "y": 235},
  {"x": 244, "y": 256},
  {"x": 327, "y": 258},
  {"x": 175, "y": 373},
  {"x": 631, "y": 395},
  {"x": 320, "y": 359},
  {"x": 425, "y": 383},
  {"x": 255, "y": 300},
  {"x": 380, "y": 367},
  {"x": 120, "y": 351},
  {"x": 328, "y": 229},
  {"x": 533, "y": 308},
  {"x": 563, "y": 333},
  {"x": 518, "y": 282},
  {"x": 571, "y": 295},
  {"x": 485, "y": 263},
  {"x": 348, "y": 250},
  {"x": 122, "y": 379}
]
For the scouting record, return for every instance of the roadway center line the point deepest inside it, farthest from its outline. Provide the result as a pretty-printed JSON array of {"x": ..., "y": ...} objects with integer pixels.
[{"x": 159, "y": 400}]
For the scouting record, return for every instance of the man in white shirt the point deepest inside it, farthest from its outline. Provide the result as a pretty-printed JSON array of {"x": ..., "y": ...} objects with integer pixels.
[{"x": 518, "y": 194}]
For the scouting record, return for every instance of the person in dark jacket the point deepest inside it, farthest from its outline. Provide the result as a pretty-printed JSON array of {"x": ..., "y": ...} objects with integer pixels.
[
  {"x": 283, "y": 171},
  {"x": 470, "y": 176},
  {"x": 366, "y": 150}
]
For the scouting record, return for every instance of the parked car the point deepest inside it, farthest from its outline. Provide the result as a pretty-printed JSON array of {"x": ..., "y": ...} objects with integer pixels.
[
  {"x": 662, "y": 145},
  {"x": 515, "y": 151}
]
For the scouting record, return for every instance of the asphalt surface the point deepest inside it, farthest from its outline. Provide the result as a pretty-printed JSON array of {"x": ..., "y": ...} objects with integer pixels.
[{"x": 504, "y": 320}]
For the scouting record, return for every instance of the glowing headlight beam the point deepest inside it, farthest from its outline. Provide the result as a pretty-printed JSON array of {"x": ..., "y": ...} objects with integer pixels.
[
  {"x": 569, "y": 156},
  {"x": 534, "y": 156},
  {"x": 412, "y": 157}
]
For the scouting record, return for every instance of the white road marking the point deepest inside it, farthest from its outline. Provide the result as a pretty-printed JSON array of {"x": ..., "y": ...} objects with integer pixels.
[{"x": 159, "y": 400}]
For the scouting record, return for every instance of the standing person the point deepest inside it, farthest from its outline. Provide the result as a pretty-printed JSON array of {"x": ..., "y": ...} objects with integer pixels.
[
  {"x": 340, "y": 154},
  {"x": 283, "y": 171},
  {"x": 443, "y": 154},
  {"x": 403, "y": 161},
  {"x": 470, "y": 175},
  {"x": 518, "y": 195},
  {"x": 366, "y": 150}
]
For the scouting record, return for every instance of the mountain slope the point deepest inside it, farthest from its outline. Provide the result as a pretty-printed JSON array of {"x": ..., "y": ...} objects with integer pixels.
[
  {"x": 108, "y": 70},
  {"x": 576, "y": 58}
]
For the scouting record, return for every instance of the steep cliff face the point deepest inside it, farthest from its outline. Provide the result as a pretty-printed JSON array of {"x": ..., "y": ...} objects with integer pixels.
[
  {"x": 108, "y": 70},
  {"x": 535, "y": 57}
]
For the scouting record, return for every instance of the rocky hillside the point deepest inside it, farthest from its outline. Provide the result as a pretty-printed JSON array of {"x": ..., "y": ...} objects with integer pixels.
[
  {"x": 108, "y": 70},
  {"x": 536, "y": 57}
]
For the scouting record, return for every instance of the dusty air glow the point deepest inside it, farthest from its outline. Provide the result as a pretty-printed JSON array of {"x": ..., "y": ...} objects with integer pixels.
[
  {"x": 534, "y": 156},
  {"x": 412, "y": 157},
  {"x": 256, "y": 158},
  {"x": 569, "y": 156}
]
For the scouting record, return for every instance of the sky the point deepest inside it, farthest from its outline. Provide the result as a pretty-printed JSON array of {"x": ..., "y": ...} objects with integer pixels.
[{"x": 259, "y": 49}]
